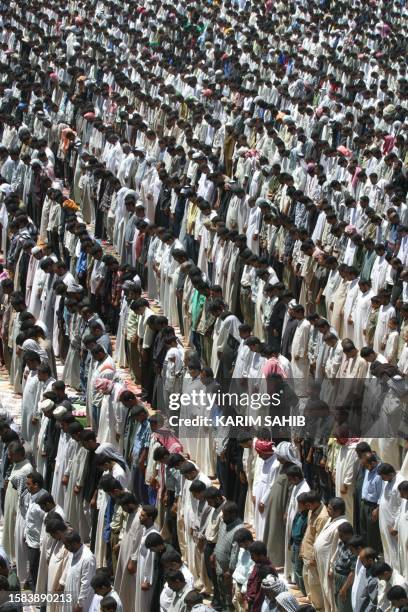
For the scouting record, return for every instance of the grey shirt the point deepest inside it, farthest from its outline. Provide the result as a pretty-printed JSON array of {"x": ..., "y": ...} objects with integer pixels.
[
  {"x": 34, "y": 519},
  {"x": 226, "y": 550}
]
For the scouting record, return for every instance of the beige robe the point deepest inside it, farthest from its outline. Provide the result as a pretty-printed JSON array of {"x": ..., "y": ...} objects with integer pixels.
[{"x": 325, "y": 547}]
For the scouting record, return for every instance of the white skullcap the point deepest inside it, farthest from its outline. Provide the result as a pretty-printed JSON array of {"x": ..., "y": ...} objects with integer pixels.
[{"x": 59, "y": 412}]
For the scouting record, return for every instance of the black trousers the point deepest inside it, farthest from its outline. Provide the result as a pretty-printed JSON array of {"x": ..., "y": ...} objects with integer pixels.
[
  {"x": 369, "y": 529},
  {"x": 208, "y": 551},
  {"x": 33, "y": 561}
]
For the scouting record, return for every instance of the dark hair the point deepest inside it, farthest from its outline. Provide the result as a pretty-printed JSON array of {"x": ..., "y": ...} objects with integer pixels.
[
  {"x": 109, "y": 483},
  {"x": 72, "y": 537},
  {"x": 396, "y": 592},
  {"x": 363, "y": 447},
  {"x": 151, "y": 511},
  {"x": 338, "y": 504},
  {"x": 160, "y": 453},
  {"x": 175, "y": 575},
  {"x": 109, "y": 603},
  {"x": 212, "y": 493},
  {"x": 295, "y": 471},
  {"x": 313, "y": 497},
  {"x": 356, "y": 541},
  {"x": 243, "y": 535},
  {"x": 88, "y": 434},
  {"x": 197, "y": 486},
  {"x": 345, "y": 528},
  {"x": 188, "y": 467},
  {"x": 153, "y": 539},
  {"x": 193, "y": 597},
  {"x": 55, "y": 524},
  {"x": 16, "y": 448},
  {"x": 46, "y": 498},
  {"x": 100, "y": 580},
  {"x": 385, "y": 468},
  {"x": 403, "y": 486},
  {"x": 258, "y": 548},
  {"x": 171, "y": 556},
  {"x": 128, "y": 498},
  {"x": 380, "y": 568}
]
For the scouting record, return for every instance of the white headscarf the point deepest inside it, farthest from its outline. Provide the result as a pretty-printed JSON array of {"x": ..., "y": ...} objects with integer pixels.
[
  {"x": 287, "y": 602},
  {"x": 288, "y": 452},
  {"x": 108, "y": 449}
]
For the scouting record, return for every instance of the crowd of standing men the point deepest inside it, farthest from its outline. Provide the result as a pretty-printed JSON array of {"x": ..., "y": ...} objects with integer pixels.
[{"x": 204, "y": 199}]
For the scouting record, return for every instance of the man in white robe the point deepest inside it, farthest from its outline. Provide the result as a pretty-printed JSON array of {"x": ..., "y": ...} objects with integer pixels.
[
  {"x": 129, "y": 540},
  {"x": 402, "y": 526},
  {"x": 79, "y": 571},
  {"x": 244, "y": 354},
  {"x": 31, "y": 282},
  {"x": 390, "y": 504},
  {"x": 349, "y": 304},
  {"x": 388, "y": 577},
  {"x": 65, "y": 445},
  {"x": 264, "y": 478},
  {"x": 145, "y": 560},
  {"x": 346, "y": 471},
  {"x": 104, "y": 368},
  {"x": 360, "y": 312},
  {"x": 197, "y": 445},
  {"x": 226, "y": 325},
  {"x": 47, "y": 542},
  {"x": 300, "y": 344},
  {"x": 29, "y": 404},
  {"x": 385, "y": 313},
  {"x": 379, "y": 270}
]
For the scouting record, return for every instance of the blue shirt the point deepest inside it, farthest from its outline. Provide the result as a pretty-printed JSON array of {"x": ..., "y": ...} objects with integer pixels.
[
  {"x": 142, "y": 440},
  {"x": 372, "y": 485}
]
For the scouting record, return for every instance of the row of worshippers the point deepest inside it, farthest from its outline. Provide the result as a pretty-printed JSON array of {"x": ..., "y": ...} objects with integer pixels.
[{"x": 369, "y": 511}]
